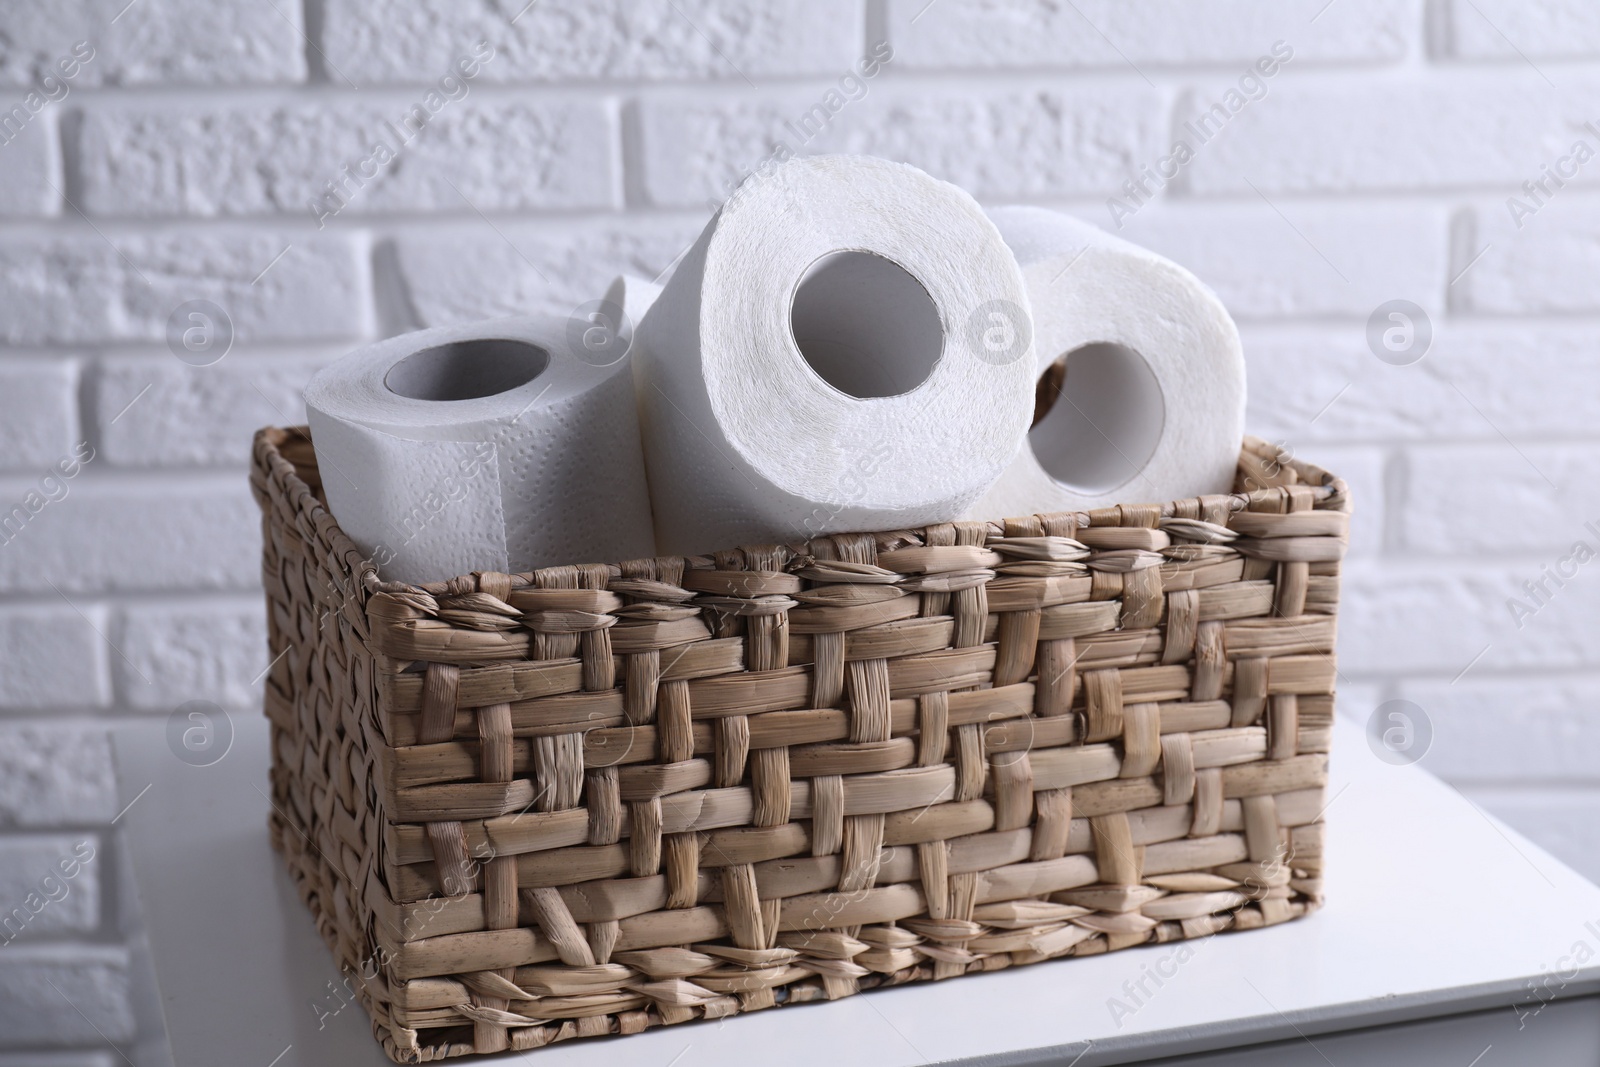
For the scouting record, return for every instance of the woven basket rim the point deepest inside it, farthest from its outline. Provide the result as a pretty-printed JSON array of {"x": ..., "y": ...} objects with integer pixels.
[{"x": 1332, "y": 493}]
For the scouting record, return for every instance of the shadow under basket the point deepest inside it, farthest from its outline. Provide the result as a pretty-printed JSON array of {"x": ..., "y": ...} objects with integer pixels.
[{"x": 600, "y": 798}]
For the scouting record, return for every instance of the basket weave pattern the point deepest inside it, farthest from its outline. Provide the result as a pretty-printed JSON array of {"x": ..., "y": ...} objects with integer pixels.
[{"x": 594, "y": 799}]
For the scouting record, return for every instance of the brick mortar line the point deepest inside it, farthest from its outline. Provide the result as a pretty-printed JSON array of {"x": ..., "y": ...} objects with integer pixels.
[
  {"x": 1445, "y": 198},
  {"x": 1404, "y": 68},
  {"x": 1113, "y": 73}
]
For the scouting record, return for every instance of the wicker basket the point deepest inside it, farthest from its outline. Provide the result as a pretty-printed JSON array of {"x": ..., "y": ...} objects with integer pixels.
[{"x": 595, "y": 799}]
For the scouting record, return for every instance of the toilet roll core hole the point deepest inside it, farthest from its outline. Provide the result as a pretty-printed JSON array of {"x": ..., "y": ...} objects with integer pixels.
[
  {"x": 866, "y": 325},
  {"x": 467, "y": 370},
  {"x": 1099, "y": 414}
]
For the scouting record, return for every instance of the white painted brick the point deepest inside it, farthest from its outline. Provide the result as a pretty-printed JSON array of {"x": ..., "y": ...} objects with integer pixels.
[
  {"x": 1546, "y": 267},
  {"x": 1362, "y": 468},
  {"x": 406, "y": 41},
  {"x": 500, "y": 154},
  {"x": 473, "y": 272},
  {"x": 1345, "y": 260},
  {"x": 54, "y": 773},
  {"x": 1511, "y": 729},
  {"x": 1315, "y": 385},
  {"x": 1481, "y": 378},
  {"x": 155, "y": 41},
  {"x": 51, "y": 657},
  {"x": 1563, "y": 822},
  {"x": 1508, "y": 30},
  {"x": 201, "y": 651},
  {"x": 1524, "y": 511},
  {"x": 93, "y": 981},
  {"x": 49, "y": 884},
  {"x": 1039, "y": 140},
  {"x": 197, "y": 415},
  {"x": 30, "y": 154},
  {"x": 997, "y": 34},
  {"x": 1452, "y": 129},
  {"x": 66, "y": 289},
  {"x": 1416, "y": 615},
  {"x": 38, "y": 412},
  {"x": 135, "y": 533}
]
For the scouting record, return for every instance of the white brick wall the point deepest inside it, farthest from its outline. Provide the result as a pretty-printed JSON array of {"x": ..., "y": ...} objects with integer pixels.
[
  {"x": 1404, "y": 129},
  {"x": 171, "y": 42},
  {"x": 210, "y": 403},
  {"x": 403, "y": 41},
  {"x": 1038, "y": 137},
  {"x": 1554, "y": 29},
  {"x": 179, "y": 163},
  {"x": 463, "y": 272},
  {"x": 66, "y": 654},
  {"x": 133, "y": 531},
  {"x": 1543, "y": 268},
  {"x": 55, "y": 772},
  {"x": 1155, "y": 33},
  {"x": 180, "y": 159},
  {"x": 1322, "y": 259},
  {"x": 30, "y": 172},
  {"x": 41, "y": 412},
  {"x": 51, "y": 884},
  {"x": 126, "y": 279},
  {"x": 91, "y": 979}
]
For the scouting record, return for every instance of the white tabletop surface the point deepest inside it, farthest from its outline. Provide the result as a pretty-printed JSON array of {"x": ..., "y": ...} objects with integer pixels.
[{"x": 1433, "y": 908}]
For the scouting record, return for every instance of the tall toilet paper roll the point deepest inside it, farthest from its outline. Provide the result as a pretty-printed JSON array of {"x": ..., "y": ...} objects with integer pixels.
[
  {"x": 845, "y": 347},
  {"x": 601, "y": 331},
  {"x": 486, "y": 446},
  {"x": 1151, "y": 406},
  {"x": 633, "y": 296}
]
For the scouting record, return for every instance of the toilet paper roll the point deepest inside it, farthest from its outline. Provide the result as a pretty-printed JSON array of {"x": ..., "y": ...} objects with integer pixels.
[
  {"x": 1152, "y": 405},
  {"x": 632, "y": 297},
  {"x": 845, "y": 347},
  {"x": 487, "y": 446}
]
